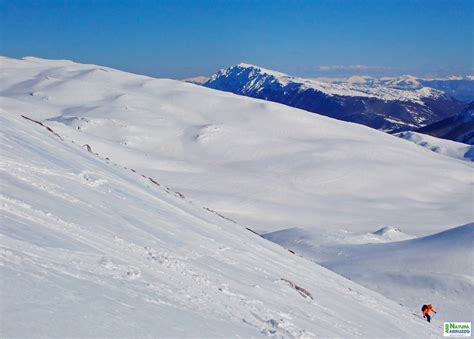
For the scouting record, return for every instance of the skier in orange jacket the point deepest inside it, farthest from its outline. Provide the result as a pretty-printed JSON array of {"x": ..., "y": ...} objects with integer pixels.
[{"x": 426, "y": 309}]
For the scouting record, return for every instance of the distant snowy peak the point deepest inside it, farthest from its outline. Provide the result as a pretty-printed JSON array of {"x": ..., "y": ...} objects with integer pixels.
[
  {"x": 392, "y": 234},
  {"x": 243, "y": 67},
  {"x": 247, "y": 77},
  {"x": 258, "y": 69},
  {"x": 405, "y": 82},
  {"x": 363, "y": 100}
]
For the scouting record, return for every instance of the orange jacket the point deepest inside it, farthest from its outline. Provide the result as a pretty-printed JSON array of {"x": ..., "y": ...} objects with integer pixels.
[{"x": 429, "y": 309}]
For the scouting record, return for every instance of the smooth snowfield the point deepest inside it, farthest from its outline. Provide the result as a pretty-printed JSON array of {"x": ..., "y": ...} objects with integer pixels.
[
  {"x": 265, "y": 165},
  {"x": 436, "y": 269},
  {"x": 89, "y": 248}
]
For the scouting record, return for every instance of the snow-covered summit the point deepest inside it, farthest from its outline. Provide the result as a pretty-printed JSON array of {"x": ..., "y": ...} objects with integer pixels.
[
  {"x": 404, "y": 82},
  {"x": 392, "y": 234},
  {"x": 257, "y": 69}
]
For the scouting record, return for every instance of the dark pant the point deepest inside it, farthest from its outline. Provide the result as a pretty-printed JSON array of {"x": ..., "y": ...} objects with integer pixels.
[{"x": 428, "y": 317}]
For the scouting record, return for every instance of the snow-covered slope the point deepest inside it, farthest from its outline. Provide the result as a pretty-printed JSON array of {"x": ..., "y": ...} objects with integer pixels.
[
  {"x": 90, "y": 249},
  {"x": 325, "y": 245},
  {"x": 449, "y": 148},
  {"x": 84, "y": 223},
  {"x": 436, "y": 269},
  {"x": 263, "y": 164},
  {"x": 381, "y": 106}
]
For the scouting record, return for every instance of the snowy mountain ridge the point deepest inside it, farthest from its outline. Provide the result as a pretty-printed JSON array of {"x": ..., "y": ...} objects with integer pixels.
[
  {"x": 254, "y": 77},
  {"x": 459, "y": 87},
  {"x": 377, "y": 105}
]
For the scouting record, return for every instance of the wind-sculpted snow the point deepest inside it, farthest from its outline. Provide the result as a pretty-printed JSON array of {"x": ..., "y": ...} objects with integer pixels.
[
  {"x": 91, "y": 249},
  {"x": 375, "y": 104}
]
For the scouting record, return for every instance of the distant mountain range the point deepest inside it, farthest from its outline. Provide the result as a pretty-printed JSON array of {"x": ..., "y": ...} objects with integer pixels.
[
  {"x": 460, "y": 88},
  {"x": 388, "y": 104}
]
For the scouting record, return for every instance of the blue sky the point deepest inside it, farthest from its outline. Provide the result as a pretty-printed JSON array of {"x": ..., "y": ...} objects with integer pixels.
[{"x": 179, "y": 39}]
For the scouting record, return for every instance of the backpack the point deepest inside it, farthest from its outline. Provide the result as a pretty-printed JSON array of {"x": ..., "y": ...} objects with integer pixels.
[{"x": 424, "y": 308}]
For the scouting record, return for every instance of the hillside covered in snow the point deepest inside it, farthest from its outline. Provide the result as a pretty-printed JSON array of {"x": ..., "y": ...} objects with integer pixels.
[
  {"x": 92, "y": 249},
  {"x": 260, "y": 163},
  {"x": 139, "y": 209},
  {"x": 383, "y": 105}
]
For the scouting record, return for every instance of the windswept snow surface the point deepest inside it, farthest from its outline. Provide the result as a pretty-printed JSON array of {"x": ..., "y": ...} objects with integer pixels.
[
  {"x": 89, "y": 248},
  {"x": 263, "y": 164},
  {"x": 454, "y": 149}
]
